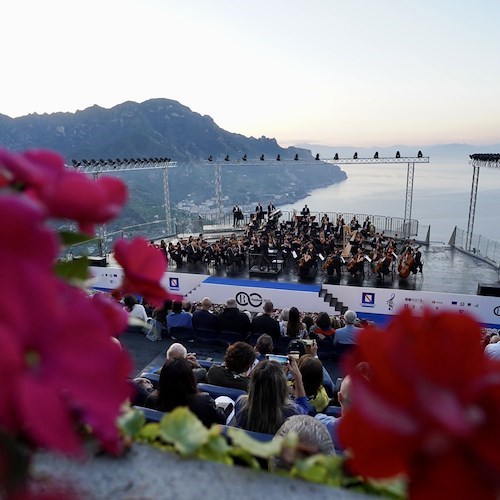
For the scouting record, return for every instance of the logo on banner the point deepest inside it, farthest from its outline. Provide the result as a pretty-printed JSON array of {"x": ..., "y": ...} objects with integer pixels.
[
  {"x": 390, "y": 302},
  {"x": 244, "y": 299},
  {"x": 368, "y": 299},
  {"x": 173, "y": 283},
  {"x": 496, "y": 311}
]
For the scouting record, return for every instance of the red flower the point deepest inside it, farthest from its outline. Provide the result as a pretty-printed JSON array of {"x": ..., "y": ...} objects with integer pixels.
[
  {"x": 144, "y": 267},
  {"x": 65, "y": 193},
  {"x": 57, "y": 358},
  {"x": 431, "y": 408}
]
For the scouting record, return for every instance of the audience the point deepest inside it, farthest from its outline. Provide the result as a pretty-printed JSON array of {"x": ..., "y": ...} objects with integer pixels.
[
  {"x": 231, "y": 319},
  {"x": 492, "y": 350},
  {"x": 135, "y": 310},
  {"x": 238, "y": 361},
  {"x": 313, "y": 438},
  {"x": 177, "y": 350},
  {"x": 263, "y": 346},
  {"x": 349, "y": 333},
  {"x": 178, "y": 317},
  {"x": 268, "y": 404},
  {"x": 311, "y": 369},
  {"x": 283, "y": 320},
  {"x": 294, "y": 327},
  {"x": 203, "y": 318},
  {"x": 322, "y": 329},
  {"x": 265, "y": 323},
  {"x": 177, "y": 387}
]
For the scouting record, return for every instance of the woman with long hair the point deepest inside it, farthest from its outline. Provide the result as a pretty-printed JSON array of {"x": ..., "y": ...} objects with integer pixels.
[
  {"x": 311, "y": 369},
  {"x": 268, "y": 404},
  {"x": 294, "y": 327},
  {"x": 177, "y": 387}
]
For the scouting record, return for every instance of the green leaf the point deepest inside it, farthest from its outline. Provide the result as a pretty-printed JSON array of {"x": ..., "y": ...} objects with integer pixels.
[
  {"x": 182, "y": 428},
  {"x": 131, "y": 422},
  {"x": 216, "y": 449},
  {"x": 326, "y": 469},
  {"x": 245, "y": 456},
  {"x": 257, "y": 448},
  {"x": 150, "y": 432},
  {"x": 73, "y": 270},
  {"x": 72, "y": 238}
]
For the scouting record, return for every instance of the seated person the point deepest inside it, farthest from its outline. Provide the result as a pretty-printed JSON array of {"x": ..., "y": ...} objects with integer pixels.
[
  {"x": 268, "y": 404},
  {"x": 238, "y": 361},
  {"x": 311, "y": 369},
  {"x": 263, "y": 346},
  {"x": 313, "y": 439},
  {"x": 322, "y": 329},
  {"x": 177, "y": 387},
  {"x": 177, "y": 350},
  {"x": 178, "y": 317},
  {"x": 203, "y": 318}
]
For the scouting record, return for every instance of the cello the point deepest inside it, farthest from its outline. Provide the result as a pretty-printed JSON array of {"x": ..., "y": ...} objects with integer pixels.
[{"x": 405, "y": 266}]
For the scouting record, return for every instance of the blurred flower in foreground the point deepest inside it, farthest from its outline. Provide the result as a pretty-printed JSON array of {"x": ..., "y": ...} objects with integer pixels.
[
  {"x": 144, "y": 267},
  {"x": 430, "y": 410}
]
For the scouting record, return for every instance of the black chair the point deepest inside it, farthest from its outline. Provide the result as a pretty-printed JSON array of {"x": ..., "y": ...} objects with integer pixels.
[
  {"x": 282, "y": 345},
  {"x": 216, "y": 390},
  {"x": 227, "y": 338},
  {"x": 252, "y": 339},
  {"x": 182, "y": 334},
  {"x": 206, "y": 336},
  {"x": 326, "y": 349}
]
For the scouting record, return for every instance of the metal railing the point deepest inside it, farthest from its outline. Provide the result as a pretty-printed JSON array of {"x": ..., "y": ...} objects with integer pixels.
[{"x": 480, "y": 246}]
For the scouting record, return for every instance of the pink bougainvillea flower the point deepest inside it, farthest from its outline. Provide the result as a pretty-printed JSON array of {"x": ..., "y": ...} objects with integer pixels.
[
  {"x": 112, "y": 312},
  {"x": 431, "y": 409},
  {"x": 65, "y": 193},
  {"x": 144, "y": 267}
]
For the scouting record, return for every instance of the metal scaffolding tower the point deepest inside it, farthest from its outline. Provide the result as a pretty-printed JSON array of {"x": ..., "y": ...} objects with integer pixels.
[
  {"x": 409, "y": 160},
  {"x": 97, "y": 167},
  {"x": 477, "y": 160}
]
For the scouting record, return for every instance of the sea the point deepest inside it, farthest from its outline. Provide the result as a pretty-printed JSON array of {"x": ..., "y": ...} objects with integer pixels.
[{"x": 441, "y": 195}]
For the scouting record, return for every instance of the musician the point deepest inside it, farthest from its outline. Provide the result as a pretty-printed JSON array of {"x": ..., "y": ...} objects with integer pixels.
[
  {"x": 333, "y": 264},
  {"x": 417, "y": 265},
  {"x": 193, "y": 252},
  {"x": 384, "y": 266},
  {"x": 175, "y": 252},
  {"x": 357, "y": 263},
  {"x": 305, "y": 212},
  {"x": 264, "y": 254},
  {"x": 213, "y": 252},
  {"x": 259, "y": 213},
  {"x": 237, "y": 215},
  {"x": 270, "y": 209},
  {"x": 306, "y": 262},
  {"x": 365, "y": 231}
]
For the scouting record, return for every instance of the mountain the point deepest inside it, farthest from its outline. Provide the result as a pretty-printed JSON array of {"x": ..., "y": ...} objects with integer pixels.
[{"x": 166, "y": 128}]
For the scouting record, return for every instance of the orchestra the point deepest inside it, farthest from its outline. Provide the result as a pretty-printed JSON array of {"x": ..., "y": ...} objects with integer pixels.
[{"x": 304, "y": 245}]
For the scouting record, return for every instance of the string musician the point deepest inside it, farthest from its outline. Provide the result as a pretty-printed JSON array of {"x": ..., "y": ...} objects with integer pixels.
[
  {"x": 307, "y": 260},
  {"x": 333, "y": 264},
  {"x": 417, "y": 261},
  {"x": 383, "y": 266},
  {"x": 356, "y": 264}
]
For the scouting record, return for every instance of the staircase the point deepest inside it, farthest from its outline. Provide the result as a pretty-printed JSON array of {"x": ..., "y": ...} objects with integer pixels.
[{"x": 333, "y": 302}]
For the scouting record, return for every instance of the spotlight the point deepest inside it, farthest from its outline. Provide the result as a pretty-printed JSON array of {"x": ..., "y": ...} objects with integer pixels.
[
  {"x": 317, "y": 157},
  {"x": 168, "y": 160},
  {"x": 355, "y": 157},
  {"x": 376, "y": 155},
  {"x": 419, "y": 155},
  {"x": 261, "y": 157},
  {"x": 398, "y": 155},
  {"x": 296, "y": 157},
  {"x": 210, "y": 158},
  {"x": 226, "y": 158},
  {"x": 75, "y": 163},
  {"x": 336, "y": 157},
  {"x": 244, "y": 157}
]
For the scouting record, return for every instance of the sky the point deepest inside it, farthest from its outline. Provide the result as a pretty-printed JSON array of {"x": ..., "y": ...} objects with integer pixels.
[{"x": 335, "y": 72}]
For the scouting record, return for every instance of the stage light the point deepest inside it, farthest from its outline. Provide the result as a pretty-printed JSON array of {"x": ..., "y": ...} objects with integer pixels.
[
  {"x": 244, "y": 157},
  {"x": 226, "y": 158},
  {"x": 336, "y": 157},
  {"x": 355, "y": 156},
  {"x": 278, "y": 158},
  {"x": 261, "y": 157},
  {"x": 419, "y": 155},
  {"x": 210, "y": 158},
  {"x": 296, "y": 157},
  {"x": 168, "y": 160},
  {"x": 317, "y": 157},
  {"x": 398, "y": 155},
  {"x": 375, "y": 155}
]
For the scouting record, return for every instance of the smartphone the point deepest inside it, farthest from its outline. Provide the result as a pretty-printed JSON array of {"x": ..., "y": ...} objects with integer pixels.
[
  {"x": 278, "y": 358},
  {"x": 295, "y": 354}
]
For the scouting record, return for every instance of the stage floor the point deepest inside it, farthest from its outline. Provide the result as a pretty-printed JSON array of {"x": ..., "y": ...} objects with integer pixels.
[{"x": 445, "y": 270}]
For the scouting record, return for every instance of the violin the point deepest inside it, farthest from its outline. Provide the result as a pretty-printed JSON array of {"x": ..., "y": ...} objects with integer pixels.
[
  {"x": 329, "y": 261},
  {"x": 305, "y": 258}
]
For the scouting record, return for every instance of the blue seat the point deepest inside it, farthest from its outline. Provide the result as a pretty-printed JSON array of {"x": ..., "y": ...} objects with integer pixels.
[
  {"x": 182, "y": 334},
  {"x": 326, "y": 349},
  {"x": 226, "y": 338},
  {"x": 150, "y": 414},
  {"x": 252, "y": 339},
  {"x": 206, "y": 336},
  {"x": 152, "y": 376},
  {"x": 282, "y": 345},
  {"x": 216, "y": 390}
]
